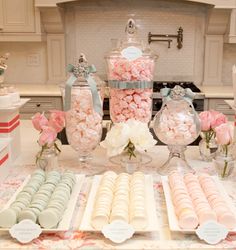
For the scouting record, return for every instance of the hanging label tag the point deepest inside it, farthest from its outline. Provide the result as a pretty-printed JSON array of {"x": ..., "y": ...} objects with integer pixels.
[
  {"x": 118, "y": 231},
  {"x": 212, "y": 232},
  {"x": 131, "y": 53},
  {"x": 25, "y": 231}
]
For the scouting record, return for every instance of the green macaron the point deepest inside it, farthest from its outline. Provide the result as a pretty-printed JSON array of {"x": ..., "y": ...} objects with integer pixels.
[{"x": 8, "y": 218}]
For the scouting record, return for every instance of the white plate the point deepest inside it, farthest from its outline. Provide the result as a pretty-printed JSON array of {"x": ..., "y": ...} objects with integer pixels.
[
  {"x": 173, "y": 221},
  {"x": 150, "y": 203},
  {"x": 64, "y": 224}
]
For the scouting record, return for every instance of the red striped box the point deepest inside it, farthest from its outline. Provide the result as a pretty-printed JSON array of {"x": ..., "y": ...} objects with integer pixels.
[
  {"x": 10, "y": 129},
  {"x": 4, "y": 158}
]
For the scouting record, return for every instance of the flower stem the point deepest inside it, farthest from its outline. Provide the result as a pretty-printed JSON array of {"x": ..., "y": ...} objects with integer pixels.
[
  {"x": 57, "y": 148},
  {"x": 208, "y": 135},
  {"x": 41, "y": 153},
  {"x": 224, "y": 170},
  {"x": 225, "y": 151},
  {"x": 130, "y": 149}
]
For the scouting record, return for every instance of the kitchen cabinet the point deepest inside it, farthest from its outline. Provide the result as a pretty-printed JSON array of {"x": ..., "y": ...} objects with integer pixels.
[
  {"x": 17, "y": 16},
  {"x": 40, "y": 104},
  {"x": 220, "y": 105},
  {"x": 20, "y": 21}
]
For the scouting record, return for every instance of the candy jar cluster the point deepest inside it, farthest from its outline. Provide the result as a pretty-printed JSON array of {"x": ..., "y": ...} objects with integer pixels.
[
  {"x": 130, "y": 78},
  {"x": 83, "y": 102}
]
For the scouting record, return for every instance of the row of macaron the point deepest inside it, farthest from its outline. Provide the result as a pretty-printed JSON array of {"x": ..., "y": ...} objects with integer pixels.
[
  {"x": 103, "y": 200},
  {"x": 138, "y": 210},
  {"x": 117, "y": 197},
  {"x": 51, "y": 216},
  {"x": 191, "y": 201},
  {"x": 9, "y": 216},
  {"x": 35, "y": 196}
]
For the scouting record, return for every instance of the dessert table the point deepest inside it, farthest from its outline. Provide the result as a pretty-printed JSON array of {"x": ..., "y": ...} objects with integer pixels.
[{"x": 163, "y": 238}]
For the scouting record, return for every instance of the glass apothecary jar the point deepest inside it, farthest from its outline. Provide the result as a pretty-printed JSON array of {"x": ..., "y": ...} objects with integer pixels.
[
  {"x": 130, "y": 70},
  {"x": 83, "y": 98},
  {"x": 177, "y": 125}
]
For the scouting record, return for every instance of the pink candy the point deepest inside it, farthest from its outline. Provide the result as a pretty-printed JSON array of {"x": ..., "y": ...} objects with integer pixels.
[
  {"x": 83, "y": 124},
  {"x": 130, "y": 104},
  {"x": 177, "y": 126},
  {"x": 140, "y": 69}
]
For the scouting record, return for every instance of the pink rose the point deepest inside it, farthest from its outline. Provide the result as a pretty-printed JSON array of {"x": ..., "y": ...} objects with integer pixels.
[
  {"x": 39, "y": 120},
  {"x": 206, "y": 120},
  {"x": 218, "y": 118},
  {"x": 211, "y": 119},
  {"x": 57, "y": 120},
  {"x": 224, "y": 134},
  {"x": 48, "y": 136}
]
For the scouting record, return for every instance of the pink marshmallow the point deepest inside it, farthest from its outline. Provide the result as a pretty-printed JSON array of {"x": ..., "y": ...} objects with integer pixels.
[
  {"x": 132, "y": 105},
  {"x": 83, "y": 124}
]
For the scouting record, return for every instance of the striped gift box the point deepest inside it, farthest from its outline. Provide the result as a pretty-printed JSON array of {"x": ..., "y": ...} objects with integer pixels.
[
  {"x": 4, "y": 158},
  {"x": 10, "y": 128}
]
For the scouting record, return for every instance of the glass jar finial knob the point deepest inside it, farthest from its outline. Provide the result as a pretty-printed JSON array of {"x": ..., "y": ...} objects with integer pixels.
[{"x": 131, "y": 27}]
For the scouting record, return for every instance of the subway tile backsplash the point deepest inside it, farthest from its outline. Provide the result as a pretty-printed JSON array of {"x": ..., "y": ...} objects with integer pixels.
[{"x": 98, "y": 23}]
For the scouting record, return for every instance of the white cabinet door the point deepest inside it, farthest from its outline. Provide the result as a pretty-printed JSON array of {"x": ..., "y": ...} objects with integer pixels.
[{"x": 17, "y": 16}]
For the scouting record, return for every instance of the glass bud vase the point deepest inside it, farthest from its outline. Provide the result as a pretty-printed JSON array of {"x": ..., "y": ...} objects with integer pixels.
[
  {"x": 224, "y": 161},
  {"x": 207, "y": 148},
  {"x": 131, "y": 164},
  {"x": 47, "y": 157}
]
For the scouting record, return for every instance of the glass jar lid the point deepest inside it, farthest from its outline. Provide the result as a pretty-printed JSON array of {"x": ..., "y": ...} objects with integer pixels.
[
  {"x": 81, "y": 70},
  {"x": 131, "y": 47}
]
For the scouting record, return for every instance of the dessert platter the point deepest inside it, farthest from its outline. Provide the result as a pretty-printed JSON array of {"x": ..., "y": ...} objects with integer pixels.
[
  {"x": 48, "y": 199},
  {"x": 193, "y": 200},
  {"x": 129, "y": 198}
]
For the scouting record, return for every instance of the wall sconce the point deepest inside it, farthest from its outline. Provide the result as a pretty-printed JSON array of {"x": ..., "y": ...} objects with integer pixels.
[{"x": 179, "y": 38}]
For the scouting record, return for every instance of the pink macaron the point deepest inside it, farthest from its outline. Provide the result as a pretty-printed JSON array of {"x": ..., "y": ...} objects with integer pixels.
[{"x": 227, "y": 219}]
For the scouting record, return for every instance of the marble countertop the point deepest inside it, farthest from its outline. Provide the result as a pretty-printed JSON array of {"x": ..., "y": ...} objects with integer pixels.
[
  {"x": 54, "y": 90},
  {"x": 217, "y": 91},
  {"x": 38, "y": 89}
]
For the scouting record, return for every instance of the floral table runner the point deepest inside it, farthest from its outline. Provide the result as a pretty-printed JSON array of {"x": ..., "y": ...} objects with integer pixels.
[{"x": 74, "y": 239}]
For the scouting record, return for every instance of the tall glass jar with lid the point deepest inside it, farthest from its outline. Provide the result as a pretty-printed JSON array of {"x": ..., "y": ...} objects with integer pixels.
[
  {"x": 83, "y": 96},
  {"x": 130, "y": 70}
]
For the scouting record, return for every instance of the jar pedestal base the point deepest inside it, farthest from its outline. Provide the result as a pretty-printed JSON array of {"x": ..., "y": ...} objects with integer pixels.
[
  {"x": 130, "y": 165},
  {"x": 87, "y": 166},
  {"x": 176, "y": 162}
]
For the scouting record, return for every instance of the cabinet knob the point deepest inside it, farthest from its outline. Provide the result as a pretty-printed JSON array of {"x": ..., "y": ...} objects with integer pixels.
[{"x": 38, "y": 105}]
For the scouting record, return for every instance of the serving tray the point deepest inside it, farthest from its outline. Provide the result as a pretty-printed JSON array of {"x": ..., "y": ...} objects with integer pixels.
[
  {"x": 153, "y": 224},
  {"x": 64, "y": 224},
  {"x": 172, "y": 218}
]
